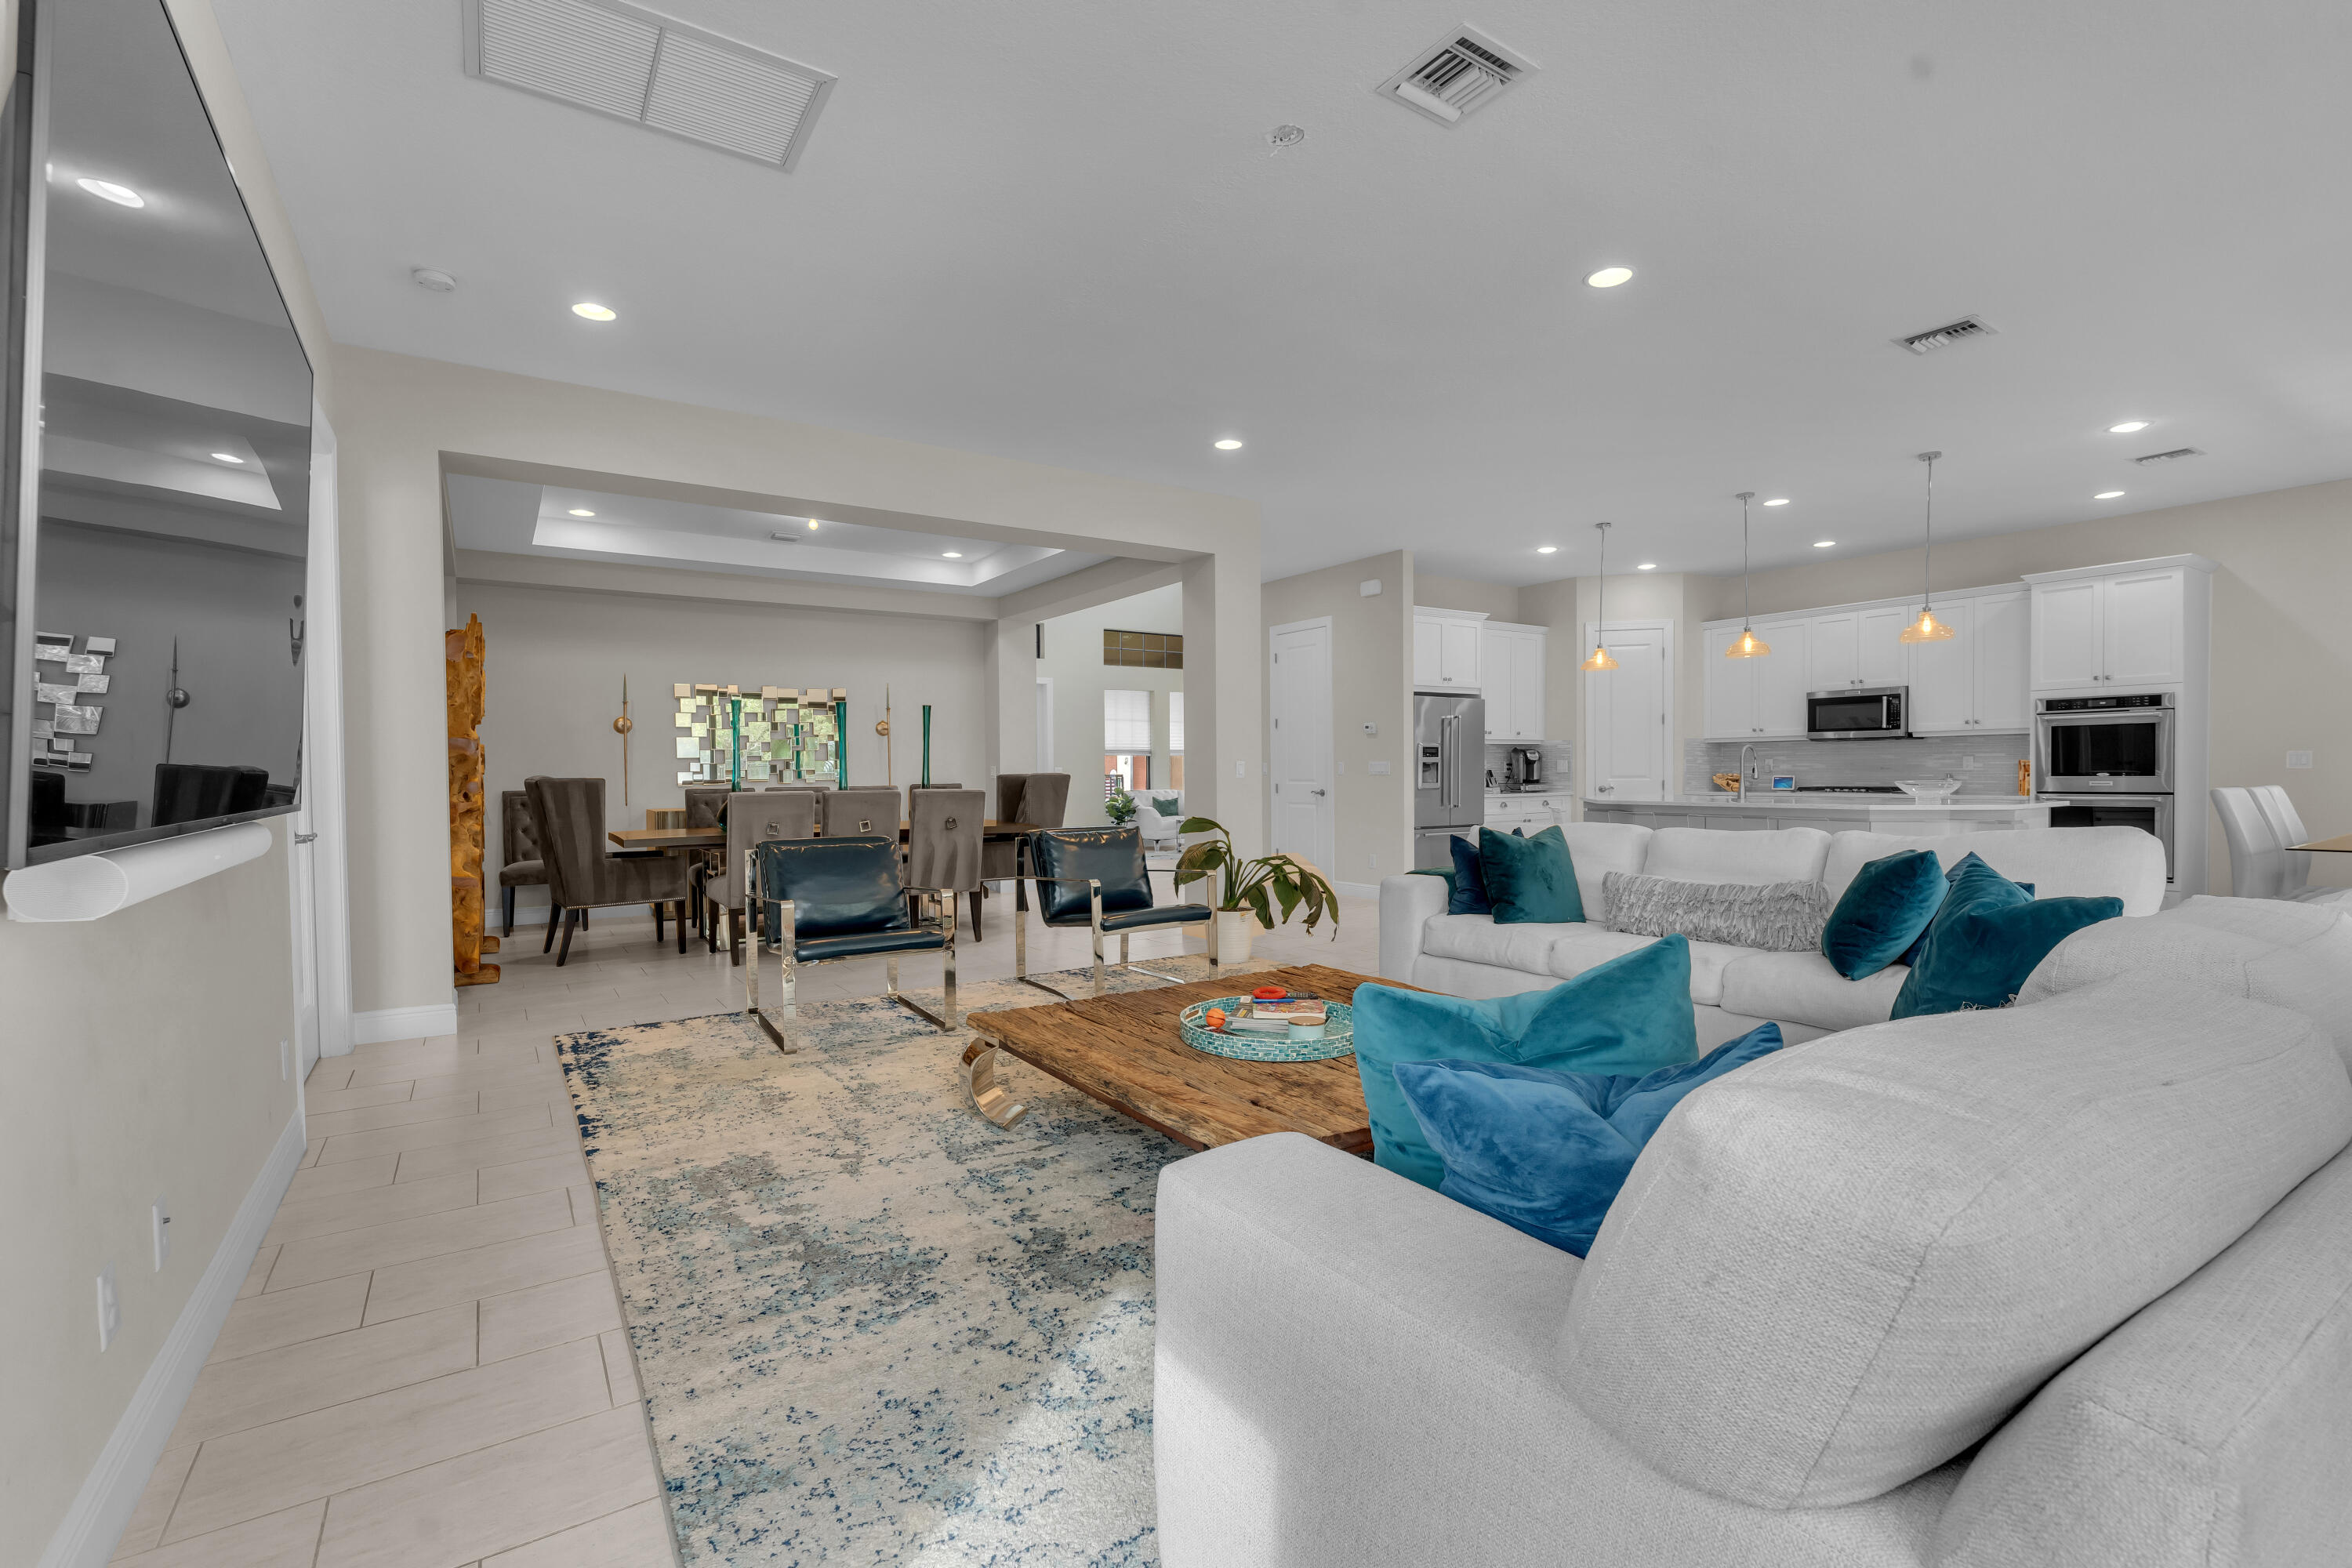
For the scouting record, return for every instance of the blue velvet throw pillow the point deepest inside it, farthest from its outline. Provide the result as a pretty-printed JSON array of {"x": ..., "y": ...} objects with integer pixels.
[
  {"x": 1883, "y": 912},
  {"x": 1987, "y": 938},
  {"x": 1468, "y": 880},
  {"x": 1546, "y": 1151},
  {"x": 1529, "y": 879},
  {"x": 1911, "y": 953},
  {"x": 1630, "y": 1014}
]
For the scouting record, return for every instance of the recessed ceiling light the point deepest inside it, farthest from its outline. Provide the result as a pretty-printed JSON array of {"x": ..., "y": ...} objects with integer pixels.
[
  {"x": 2129, "y": 427},
  {"x": 812, "y": 525},
  {"x": 1824, "y": 544},
  {"x": 1648, "y": 566},
  {"x": 1545, "y": 549},
  {"x": 582, "y": 512},
  {"x": 593, "y": 312},
  {"x": 1781, "y": 501},
  {"x": 1229, "y": 445},
  {"x": 2106, "y": 495},
  {"x": 952, "y": 554},
  {"x": 1610, "y": 277},
  {"x": 228, "y": 457},
  {"x": 108, "y": 191}
]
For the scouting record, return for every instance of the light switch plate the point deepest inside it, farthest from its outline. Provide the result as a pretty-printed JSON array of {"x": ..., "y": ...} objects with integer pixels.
[
  {"x": 110, "y": 1309},
  {"x": 2298, "y": 759},
  {"x": 1380, "y": 767},
  {"x": 159, "y": 1224}
]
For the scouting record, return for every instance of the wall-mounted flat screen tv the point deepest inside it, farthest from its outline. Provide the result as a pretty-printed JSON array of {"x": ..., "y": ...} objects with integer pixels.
[{"x": 155, "y": 536}]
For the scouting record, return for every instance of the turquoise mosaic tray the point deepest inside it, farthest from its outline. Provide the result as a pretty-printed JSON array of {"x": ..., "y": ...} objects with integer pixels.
[{"x": 1338, "y": 1038}]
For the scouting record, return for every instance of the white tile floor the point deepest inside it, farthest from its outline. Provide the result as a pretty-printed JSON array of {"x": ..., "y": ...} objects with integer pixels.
[{"x": 426, "y": 1368}]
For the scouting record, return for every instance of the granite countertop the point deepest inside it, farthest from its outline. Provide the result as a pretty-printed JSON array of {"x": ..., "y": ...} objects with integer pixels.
[{"x": 1787, "y": 800}]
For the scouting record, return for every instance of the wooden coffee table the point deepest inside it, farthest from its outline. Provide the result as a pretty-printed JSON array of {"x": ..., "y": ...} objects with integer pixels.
[{"x": 1125, "y": 1051}]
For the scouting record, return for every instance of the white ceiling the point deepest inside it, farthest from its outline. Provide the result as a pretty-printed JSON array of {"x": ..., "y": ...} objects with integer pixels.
[
  {"x": 1057, "y": 231},
  {"x": 514, "y": 518}
]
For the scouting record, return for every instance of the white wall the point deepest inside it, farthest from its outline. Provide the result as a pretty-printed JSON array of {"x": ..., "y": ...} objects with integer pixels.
[
  {"x": 556, "y": 657},
  {"x": 1074, "y": 663},
  {"x": 142, "y": 1061}
]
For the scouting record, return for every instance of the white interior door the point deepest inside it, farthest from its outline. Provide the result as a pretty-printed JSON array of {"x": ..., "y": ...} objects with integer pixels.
[
  {"x": 1046, "y": 725},
  {"x": 1300, "y": 745},
  {"x": 1629, "y": 713}
]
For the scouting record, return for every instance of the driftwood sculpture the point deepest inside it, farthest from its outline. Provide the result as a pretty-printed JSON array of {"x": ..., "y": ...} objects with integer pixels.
[{"x": 468, "y": 689}]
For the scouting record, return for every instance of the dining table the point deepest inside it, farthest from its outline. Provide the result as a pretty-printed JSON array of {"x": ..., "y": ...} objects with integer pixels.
[{"x": 680, "y": 840}]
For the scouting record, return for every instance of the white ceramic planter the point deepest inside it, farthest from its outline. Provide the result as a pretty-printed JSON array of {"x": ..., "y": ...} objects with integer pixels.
[{"x": 1235, "y": 929}]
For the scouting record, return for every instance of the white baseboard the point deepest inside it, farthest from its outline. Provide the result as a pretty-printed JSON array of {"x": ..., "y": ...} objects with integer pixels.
[
  {"x": 404, "y": 1023},
  {"x": 94, "y": 1526},
  {"x": 1356, "y": 890}
]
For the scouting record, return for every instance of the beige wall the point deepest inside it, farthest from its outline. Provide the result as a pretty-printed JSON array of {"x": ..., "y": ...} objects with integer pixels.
[
  {"x": 557, "y": 656},
  {"x": 403, "y": 418},
  {"x": 2280, "y": 664},
  {"x": 1371, "y": 681},
  {"x": 142, "y": 1062},
  {"x": 1074, "y": 663}
]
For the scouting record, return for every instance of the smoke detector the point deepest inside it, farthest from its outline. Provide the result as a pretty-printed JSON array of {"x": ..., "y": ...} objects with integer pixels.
[
  {"x": 789, "y": 538},
  {"x": 2172, "y": 456},
  {"x": 434, "y": 279},
  {"x": 632, "y": 64},
  {"x": 1461, "y": 73},
  {"x": 1951, "y": 332}
]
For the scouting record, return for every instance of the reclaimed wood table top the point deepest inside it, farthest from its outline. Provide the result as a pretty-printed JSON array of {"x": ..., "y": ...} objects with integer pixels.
[
  {"x": 2339, "y": 844},
  {"x": 1125, "y": 1051},
  {"x": 716, "y": 838}
]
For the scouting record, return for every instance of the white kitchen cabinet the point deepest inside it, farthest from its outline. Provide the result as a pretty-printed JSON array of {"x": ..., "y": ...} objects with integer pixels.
[
  {"x": 1885, "y": 656},
  {"x": 1974, "y": 682},
  {"x": 1511, "y": 678},
  {"x": 2130, "y": 628},
  {"x": 2004, "y": 635},
  {"x": 1445, "y": 649},
  {"x": 1835, "y": 659},
  {"x": 1758, "y": 698},
  {"x": 1943, "y": 674},
  {"x": 1530, "y": 814}
]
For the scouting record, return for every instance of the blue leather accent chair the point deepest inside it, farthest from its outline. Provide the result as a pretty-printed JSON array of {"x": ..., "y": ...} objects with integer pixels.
[
  {"x": 1095, "y": 877},
  {"x": 820, "y": 901}
]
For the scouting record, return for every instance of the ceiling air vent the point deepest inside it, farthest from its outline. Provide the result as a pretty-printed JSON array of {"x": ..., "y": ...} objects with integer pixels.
[
  {"x": 1462, "y": 71},
  {"x": 2172, "y": 456},
  {"x": 640, "y": 66},
  {"x": 1958, "y": 332}
]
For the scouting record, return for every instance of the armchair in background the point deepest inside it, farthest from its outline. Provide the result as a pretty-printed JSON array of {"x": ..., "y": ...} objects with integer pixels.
[{"x": 1095, "y": 877}]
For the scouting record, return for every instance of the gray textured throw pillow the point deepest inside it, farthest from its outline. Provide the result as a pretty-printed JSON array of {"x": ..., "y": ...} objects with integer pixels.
[{"x": 1778, "y": 917}]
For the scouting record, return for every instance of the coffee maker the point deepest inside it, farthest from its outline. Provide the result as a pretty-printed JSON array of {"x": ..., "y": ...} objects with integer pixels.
[{"x": 1524, "y": 764}]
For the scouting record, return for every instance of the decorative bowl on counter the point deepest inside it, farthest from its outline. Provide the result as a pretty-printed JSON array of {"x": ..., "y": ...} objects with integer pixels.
[
  {"x": 1929, "y": 791},
  {"x": 1729, "y": 783}
]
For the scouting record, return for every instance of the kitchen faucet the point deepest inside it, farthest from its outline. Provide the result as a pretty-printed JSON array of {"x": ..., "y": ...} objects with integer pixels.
[{"x": 1747, "y": 770}]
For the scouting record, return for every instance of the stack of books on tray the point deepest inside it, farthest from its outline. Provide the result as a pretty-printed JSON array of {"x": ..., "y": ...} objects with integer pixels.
[{"x": 1292, "y": 1015}]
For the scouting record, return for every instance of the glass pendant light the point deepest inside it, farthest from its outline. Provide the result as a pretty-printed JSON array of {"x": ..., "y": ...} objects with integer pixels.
[
  {"x": 1928, "y": 628},
  {"x": 1600, "y": 659},
  {"x": 1746, "y": 645}
]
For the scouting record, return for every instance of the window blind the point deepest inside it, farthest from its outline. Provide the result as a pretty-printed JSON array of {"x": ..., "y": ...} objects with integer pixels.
[
  {"x": 1175, "y": 721},
  {"x": 1126, "y": 722}
]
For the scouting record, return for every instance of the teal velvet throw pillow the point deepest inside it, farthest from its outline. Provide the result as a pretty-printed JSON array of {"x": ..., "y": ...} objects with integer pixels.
[
  {"x": 1883, "y": 912},
  {"x": 1529, "y": 879},
  {"x": 1544, "y": 1151},
  {"x": 1987, "y": 938},
  {"x": 1960, "y": 866},
  {"x": 1630, "y": 1014}
]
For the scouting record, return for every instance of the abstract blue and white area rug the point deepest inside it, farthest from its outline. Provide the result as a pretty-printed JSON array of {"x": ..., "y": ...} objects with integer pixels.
[{"x": 871, "y": 1327}]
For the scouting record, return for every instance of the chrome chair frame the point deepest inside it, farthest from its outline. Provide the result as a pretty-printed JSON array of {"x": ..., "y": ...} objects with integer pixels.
[
  {"x": 1023, "y": 874},
  {"x": 781, "y": 1024}
]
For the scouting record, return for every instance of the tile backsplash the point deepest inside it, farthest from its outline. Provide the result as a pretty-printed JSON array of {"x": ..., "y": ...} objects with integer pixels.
[
  {"x": 1558, "y": 764},
  {"x": 1988, "y": 763}
]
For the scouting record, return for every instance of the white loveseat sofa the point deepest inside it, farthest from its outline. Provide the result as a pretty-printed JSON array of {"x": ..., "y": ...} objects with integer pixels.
[
  {"x": 2062, "y": 1285},
  {"x": 1733, "y": 989}
]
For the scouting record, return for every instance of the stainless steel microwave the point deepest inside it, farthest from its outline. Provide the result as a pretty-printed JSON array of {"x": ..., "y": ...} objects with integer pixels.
[{"x": 1859, "y": 713}]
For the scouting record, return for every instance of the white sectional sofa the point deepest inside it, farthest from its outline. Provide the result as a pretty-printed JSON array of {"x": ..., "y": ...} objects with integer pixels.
[
  {"x": 1733, "y": 989},
  {"x": 2061, "y": 1284}
]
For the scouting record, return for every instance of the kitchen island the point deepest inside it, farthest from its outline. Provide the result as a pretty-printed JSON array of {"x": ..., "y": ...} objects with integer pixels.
[{"x": 1830, "y": 812}]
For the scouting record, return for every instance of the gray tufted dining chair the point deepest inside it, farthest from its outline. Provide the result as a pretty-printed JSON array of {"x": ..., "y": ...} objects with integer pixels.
[{"x": 570, "y": 816}]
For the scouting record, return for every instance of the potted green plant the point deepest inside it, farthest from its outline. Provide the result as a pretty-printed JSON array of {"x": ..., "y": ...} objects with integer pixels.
[
  {"x": 1119, "y": 808},
  {"x": 1264, "y": 891}
]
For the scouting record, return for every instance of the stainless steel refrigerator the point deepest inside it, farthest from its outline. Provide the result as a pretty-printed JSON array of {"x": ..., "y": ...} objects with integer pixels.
[{"x": 1449, "y": 774}]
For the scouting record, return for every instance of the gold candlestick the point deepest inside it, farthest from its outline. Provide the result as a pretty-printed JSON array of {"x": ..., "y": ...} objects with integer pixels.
[{"x": 621, "y": 727}]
